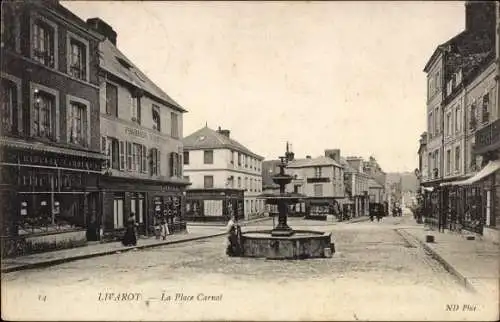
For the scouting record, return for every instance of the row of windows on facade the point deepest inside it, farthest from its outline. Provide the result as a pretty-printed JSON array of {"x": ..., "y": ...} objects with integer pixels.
[
  {"x": 43, "y": 116},
  {"x": 434, "y": 83},
  {"x": 44, "y": 51},
  {"x": 136, "y": 110},
  {"x": 250, "y": 184},
  {"x": 129, "y": 156},
  {"x": 434, "y": 119},
  {"x": 243, "y": 160},
  {"x": 433, "y": 162},
  {"x": 43, "y": 42}
]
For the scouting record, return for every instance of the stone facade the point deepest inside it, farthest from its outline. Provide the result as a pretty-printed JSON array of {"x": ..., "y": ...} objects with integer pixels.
[{"x": 50, "y": 121}]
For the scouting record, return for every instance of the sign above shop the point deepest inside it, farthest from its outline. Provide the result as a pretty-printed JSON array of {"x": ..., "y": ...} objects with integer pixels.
[{"x": 144, "y": 135}]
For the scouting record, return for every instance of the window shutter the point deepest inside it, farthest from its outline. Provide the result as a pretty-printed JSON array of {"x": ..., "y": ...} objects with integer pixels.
[
  {"x": 122, "y": 155},
  {"x": 171, "y": 165},
  {"x": 152, "y": 159},
  {"x": 128, "y": 155},
  {"x": 158, "y": 161},
  {"x": 144, "y": 159},
  {"x": 179, "y": 165}
]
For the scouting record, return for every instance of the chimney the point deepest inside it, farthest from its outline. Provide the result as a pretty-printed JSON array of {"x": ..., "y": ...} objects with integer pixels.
[
  {"x": 480, "y": 16},
  {"x": 103, "y": 28},
  {"x": 333, "y": 154},
  {"x": 226, "y": 133},
  {"x": 289, "y": 154}
]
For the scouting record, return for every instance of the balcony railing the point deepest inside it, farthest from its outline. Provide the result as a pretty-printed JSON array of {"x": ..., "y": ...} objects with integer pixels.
[{"x": 488, "y": 138}]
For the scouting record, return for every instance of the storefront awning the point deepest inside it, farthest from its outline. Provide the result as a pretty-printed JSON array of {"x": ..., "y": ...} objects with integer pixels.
[
  {"x": 489, "y": 169},
  {"x": 43, "y": 147}
]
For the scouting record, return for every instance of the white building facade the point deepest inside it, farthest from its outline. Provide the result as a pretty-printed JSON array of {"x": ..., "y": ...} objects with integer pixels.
[{"x": 215, "y": 162}]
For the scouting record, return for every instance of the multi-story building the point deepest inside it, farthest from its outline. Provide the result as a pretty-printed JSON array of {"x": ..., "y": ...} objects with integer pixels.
[
  {"x": 454, "y": 91},
  {"x": 51, "y": 161},
  {"x": 356, "y": 185},
  {"x": 376, "y": 191},
  {"x": 320, "y": 179},
  {"x": 141, "y": 131},
  {"x": 225, "y": 176},
  {"x": 463, "y": 103}
]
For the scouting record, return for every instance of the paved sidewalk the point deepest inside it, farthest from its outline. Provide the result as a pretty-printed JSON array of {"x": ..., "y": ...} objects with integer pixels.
[
  {"x": 476, "y": 263},
  {"x": 93, "y": 250}
]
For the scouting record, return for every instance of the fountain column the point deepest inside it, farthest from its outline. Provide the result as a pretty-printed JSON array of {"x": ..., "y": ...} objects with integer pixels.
[{"x": 282, "y": 229}]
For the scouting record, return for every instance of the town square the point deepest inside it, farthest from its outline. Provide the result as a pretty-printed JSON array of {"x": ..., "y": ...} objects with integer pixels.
[{"x": 261, "y": 160}]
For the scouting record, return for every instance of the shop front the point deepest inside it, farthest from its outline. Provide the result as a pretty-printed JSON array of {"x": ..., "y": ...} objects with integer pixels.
[
  {"x": 214, "y": 205},
  {"x": 49, "y": 199},
  {"x": 319, "y": 207},
  {"x": 148, "y": 202}
]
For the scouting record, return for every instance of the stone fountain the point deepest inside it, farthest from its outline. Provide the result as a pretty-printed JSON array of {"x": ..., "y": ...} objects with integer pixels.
[{"x": 283, "y": 242}]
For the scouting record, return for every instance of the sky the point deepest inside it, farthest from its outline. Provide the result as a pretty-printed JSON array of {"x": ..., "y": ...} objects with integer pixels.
[{"x": 320, "y": 75}]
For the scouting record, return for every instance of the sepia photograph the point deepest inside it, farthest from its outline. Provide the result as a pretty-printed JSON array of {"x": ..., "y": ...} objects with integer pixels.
[{"x": 250, "y": 160}]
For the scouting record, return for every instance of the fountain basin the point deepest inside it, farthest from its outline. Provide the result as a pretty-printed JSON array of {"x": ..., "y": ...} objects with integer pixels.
[{"x": 301, "y": 245}]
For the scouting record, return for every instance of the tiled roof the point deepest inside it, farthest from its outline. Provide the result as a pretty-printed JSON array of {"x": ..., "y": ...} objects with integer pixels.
[
  {"x": 313, "y": 162},
  {"x": 110, "y": 58},
  {"x": 206, "y": 138}
]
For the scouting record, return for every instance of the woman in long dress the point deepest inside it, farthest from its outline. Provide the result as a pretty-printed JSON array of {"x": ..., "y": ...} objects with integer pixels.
[{"x": 129, "y": 238}]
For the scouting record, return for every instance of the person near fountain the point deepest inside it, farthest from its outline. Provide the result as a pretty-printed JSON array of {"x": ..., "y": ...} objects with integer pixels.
[{"x": 234, "y": 235}]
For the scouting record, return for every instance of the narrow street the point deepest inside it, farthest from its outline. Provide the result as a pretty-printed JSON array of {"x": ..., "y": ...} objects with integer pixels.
[{"x": 375, "y": 274}]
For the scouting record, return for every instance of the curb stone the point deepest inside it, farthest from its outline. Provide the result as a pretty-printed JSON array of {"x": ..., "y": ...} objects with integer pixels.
[
  {"x": 459, "y": 276},
  {"x": 221, "y": 224},
  {"x": 58, "y": 261}
]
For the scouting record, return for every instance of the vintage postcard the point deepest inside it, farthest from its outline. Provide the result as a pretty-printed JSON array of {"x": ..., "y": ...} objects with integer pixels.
[{"x": 260, "y": 160}]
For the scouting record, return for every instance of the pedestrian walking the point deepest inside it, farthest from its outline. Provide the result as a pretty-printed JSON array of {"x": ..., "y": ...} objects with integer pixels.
[
  {"x": 129, "y": 238},
  {"x": 164, "y": 231}
]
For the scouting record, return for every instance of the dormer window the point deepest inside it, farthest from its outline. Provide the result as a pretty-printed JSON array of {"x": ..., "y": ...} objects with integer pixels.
[{"x": 156, "y": 118}]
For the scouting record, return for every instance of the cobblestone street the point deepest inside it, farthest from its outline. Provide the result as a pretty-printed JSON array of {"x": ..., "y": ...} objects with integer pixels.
[{"x": 375, "y": 274}]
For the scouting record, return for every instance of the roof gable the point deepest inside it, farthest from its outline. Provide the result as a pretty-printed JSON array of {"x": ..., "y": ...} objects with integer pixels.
[
  {"x": 115, "y": 62},
  {"x": 313, "y": 162},
  {"x": 206, "y": 138}
]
